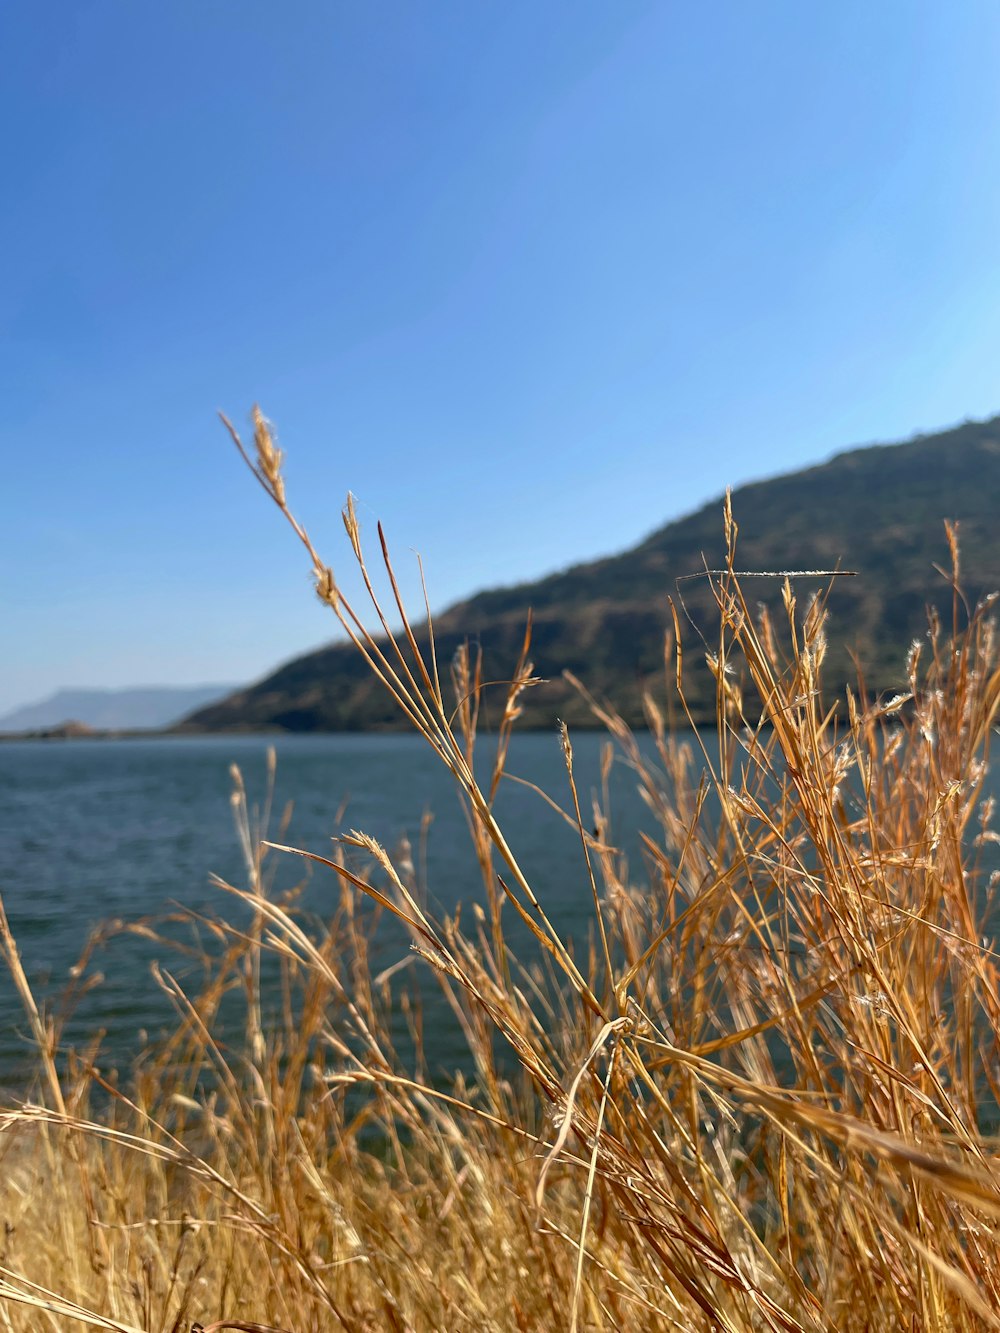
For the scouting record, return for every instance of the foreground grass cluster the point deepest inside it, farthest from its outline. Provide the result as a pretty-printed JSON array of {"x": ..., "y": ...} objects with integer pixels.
[{"x": 762, "y": 1096}]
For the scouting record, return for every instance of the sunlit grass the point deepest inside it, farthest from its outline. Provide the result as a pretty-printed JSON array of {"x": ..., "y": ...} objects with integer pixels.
[{"x": 763, "y": 1096}]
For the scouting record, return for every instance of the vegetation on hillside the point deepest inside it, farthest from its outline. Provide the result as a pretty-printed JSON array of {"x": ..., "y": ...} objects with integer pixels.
[
  {"x": 877, "y": 511},
  {"x": 764, "y": 1097}
]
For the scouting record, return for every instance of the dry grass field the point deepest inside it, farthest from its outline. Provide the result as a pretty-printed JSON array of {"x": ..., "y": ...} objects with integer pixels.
[{"x": 762, "y": 1097}]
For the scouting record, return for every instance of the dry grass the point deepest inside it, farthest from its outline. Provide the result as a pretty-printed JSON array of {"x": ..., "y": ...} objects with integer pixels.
[{"x": 763, "y": 1100}]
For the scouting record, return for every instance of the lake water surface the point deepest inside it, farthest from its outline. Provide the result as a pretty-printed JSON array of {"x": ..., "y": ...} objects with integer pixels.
[{"x": 91, "y": 830}]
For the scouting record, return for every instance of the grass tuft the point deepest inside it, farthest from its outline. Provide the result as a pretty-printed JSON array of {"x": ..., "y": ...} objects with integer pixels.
[{"x": 766, "y": 1097}]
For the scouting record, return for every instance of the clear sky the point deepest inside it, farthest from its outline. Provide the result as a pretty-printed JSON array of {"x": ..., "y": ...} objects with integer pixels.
[{"x": 530, "y": 277}]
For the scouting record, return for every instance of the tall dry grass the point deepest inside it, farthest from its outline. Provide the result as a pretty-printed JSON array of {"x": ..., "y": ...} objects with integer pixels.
[{"x": 763, "y": 1098}]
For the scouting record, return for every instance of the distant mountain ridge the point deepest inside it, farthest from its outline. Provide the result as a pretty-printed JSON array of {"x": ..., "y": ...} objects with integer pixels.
[
  {"x": 878, "y": 510},
  {"x": 139, "y": 707}
]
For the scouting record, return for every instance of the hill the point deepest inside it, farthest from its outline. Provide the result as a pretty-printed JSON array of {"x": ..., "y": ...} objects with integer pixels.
[
  {"x": 877, "y": 510},
  {"x": 113, "y": 710}
]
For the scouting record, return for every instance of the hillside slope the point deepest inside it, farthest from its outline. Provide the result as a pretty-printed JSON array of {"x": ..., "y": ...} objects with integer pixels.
[{"x": 877, "y": 510}]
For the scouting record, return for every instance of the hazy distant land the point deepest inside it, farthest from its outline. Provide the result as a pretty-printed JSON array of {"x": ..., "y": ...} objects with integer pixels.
[{"x": 137, "y": 708}]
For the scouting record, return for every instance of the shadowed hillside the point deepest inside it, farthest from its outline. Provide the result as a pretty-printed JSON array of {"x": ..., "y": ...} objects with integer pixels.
[{"x": 877, "y": 510}]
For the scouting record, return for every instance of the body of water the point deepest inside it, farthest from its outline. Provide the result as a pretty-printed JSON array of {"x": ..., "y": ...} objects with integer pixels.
[{"x": 92, "y": 830}]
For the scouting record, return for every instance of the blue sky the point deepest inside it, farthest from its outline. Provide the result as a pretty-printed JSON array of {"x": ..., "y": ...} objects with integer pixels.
[{"x": 529, "y": 278}]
